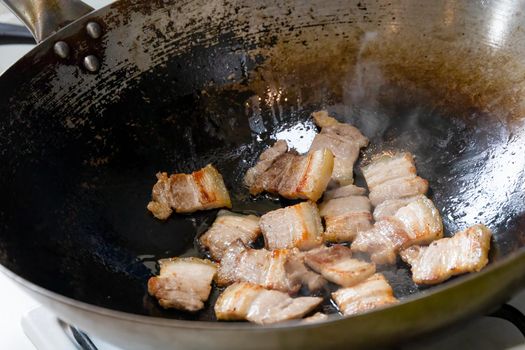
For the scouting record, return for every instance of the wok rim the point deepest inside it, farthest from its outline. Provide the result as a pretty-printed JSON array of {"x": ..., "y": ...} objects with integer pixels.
[{"x": 243, "y": 326}]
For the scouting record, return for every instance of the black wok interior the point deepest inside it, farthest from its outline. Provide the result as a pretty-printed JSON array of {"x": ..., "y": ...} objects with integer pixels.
[{"x": 75, "y": 183}]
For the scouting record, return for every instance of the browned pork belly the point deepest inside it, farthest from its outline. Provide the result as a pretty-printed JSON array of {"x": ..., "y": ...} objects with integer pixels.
[
  {"x": 245, "y": 301},
  {"x": 466, "y": 251},
  {"x": 183, "y": 283},
  {"x": 226, "y": 229},
  {"x": 289, "y": 174},
  {"x": 373, "y": 293},
  {"x": 418, "y": 222},
  {"x": 343, "y": 140},
  {"x": 335, "y": 263},
  {"x": 187, "y": 193},
  {"x": 345, "y": 216},
  {"x": 280, "y": 269},
  {"x": 266, "y": 159},
  {"x": 257, "y": 266},
  {"x": 297, "y": 226}
]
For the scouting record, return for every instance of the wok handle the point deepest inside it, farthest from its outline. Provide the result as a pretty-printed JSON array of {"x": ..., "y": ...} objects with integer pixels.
[
  {"x": 45, "y": 17},
  {"x": 14, "y": 34}
]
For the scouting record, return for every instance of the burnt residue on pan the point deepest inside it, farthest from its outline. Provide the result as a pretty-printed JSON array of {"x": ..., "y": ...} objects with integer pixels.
[{"x": 217, "y": 82}]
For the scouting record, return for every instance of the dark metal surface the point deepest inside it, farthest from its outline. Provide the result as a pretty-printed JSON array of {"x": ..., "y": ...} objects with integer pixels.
[{"x": 184, "y": 85}]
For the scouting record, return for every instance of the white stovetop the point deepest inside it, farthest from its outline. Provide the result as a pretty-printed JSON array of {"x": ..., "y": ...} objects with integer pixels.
[{"x": 482, "y": 333}]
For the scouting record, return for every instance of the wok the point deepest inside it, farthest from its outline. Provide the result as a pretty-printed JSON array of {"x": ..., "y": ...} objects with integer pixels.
[{"x": 173, "y": 86}]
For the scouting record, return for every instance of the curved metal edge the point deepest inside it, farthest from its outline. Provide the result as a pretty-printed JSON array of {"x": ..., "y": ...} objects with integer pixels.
[
  {"x": 43, "y": 18},
  {"x": 510, "y": 262}
]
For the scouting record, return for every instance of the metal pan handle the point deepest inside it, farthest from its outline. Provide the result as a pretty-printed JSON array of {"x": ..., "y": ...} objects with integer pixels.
[{"x": 45, "y": 17}]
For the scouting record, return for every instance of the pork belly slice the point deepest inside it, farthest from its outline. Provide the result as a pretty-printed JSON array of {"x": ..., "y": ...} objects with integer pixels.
[
  {"x": 298, "y": 272},
  {"x": 323, "y": 120},
  {"x": 382, "y": 242},
  {"x": 317, "y": 317},
  {"x": 226, "y": 229},
  {"x": 343, "y": 140},
  {"x": 291, "y": 175},
  {"x": 344, "y": 205},
  {"x": 392, "y": 177},
  {"x": 257, "y": 266},
  {"x": 418, "y": 222},
  {"x": 308, "y": 176},
  {"x": 345, "y": 154},
  {"x": 398, "y": 188},
  {"x": 183, "y": 283},
  {"x": 344, "y": 191},
  {"x": 345, "y": 228},
  {"x": 373, "y": 293},
  {"x": 270, "y": 180},
  {"x": 391, "y": 206},
  {"x": 421, "y": 221},
  {"x": 466, "y": 251},
  {"x": 187, "y": 193},
  {"x": 266, "y": 159},
  {"x": 335, "y": 263},
  {"x": 294, "y": 226},
  {"x": 345, "y": 217},
  {"x": 245, "y": 301},
  {"x": 389, "y": 167},
  {"x": 280, "y": 269}
]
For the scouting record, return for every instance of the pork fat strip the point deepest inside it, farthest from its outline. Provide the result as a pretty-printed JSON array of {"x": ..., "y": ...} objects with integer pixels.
[
  {"x": 345, "y": 191},
  {"x": 393, "y": 177},
  {"x": 257, "y": 266},
  {"x": 345, "y": 216},
  {"x": 418, "y": 222},
  {"x": 466, "y": 251},
  {"x": 343, "y": 140},
  {"x": 373, "y": 293},
  {"x": 226, "y": 229},
  {"x": 183, "y": 283},
  {"x": 187, "y": 193},
  {"x": 289, "y": 174},
  {"x": 294, "y": 226},
  {"x": 335, "y": 263},
  {"x": 245, "y": 301}
]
